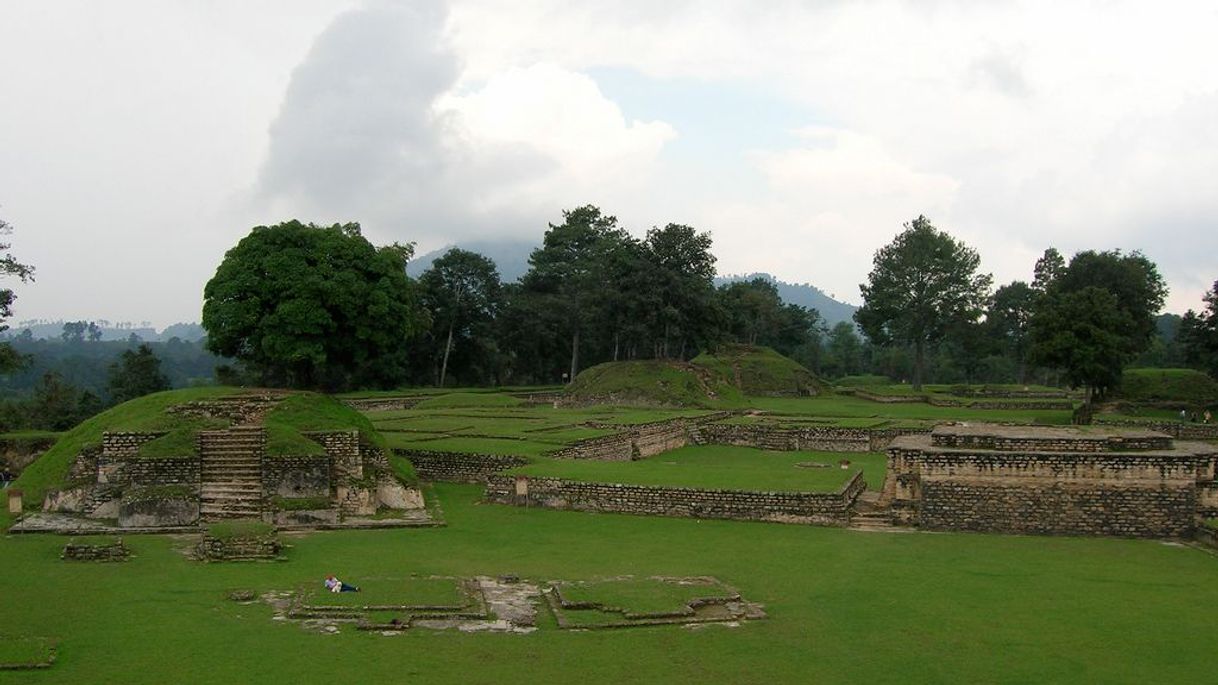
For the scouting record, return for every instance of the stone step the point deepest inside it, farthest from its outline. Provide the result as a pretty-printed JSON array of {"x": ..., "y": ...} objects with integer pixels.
[
  {"x": 233, "y": 486},
  {"x": 219, "y": 472}
]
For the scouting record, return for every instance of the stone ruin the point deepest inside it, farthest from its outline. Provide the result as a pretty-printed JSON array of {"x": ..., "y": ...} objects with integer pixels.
[
  {"x": 1049, "y": 480},
  {"x": 230, "y": 475}
]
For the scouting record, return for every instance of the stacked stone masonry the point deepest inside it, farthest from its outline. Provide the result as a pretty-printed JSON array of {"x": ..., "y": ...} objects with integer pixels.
[
  {"x": 79, "y": 551},
  {"x": 238, "y": 549},
  {"x": 457, "y": 467},
  {"x": 785, "y": 507},
  {"x": 1004, "y": 479}
]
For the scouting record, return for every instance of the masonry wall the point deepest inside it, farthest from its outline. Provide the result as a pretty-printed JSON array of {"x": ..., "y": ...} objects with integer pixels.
[
  {"x": 555, "y": 493},
  {"x": 1087, "y": 493},
  {"x": 132, "y": 471},
  {"x": 458, "y": 467},
  {"x": 1057, "y": 508},
  {"x": 827, "y": 439},
  {"x": 1052, "y": 444},
  {"x": 299, "y": 476}
]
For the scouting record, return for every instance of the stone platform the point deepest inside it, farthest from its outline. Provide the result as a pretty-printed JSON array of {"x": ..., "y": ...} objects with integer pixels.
[{"x": 1050, "y": 480}]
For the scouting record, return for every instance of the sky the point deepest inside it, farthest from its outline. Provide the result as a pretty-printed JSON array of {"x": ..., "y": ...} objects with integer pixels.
[{"x": 139, "y": 140}]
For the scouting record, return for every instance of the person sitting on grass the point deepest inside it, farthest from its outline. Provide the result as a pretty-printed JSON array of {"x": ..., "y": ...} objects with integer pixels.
[{"x": 335, "y": 585}]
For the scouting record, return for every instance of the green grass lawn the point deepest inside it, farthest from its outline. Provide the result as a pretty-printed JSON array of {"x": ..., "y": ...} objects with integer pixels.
[
  {"x": 25, "y": 651},
  {"x": 391, "y": 591},
  {"x": 846, "y": 406},
  {"x": 720, "y": 467},
  {"x": 844, "y": 606},
  {"x": 641, "y": 596}
]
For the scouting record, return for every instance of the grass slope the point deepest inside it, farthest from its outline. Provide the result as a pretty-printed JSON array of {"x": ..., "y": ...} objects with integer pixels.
[
  {"x": 1169, "y": 385},
  {"x": 655, "y": 382},
  {"x": 720, "y": 467},
  {"x": 844, "y": 606},
  {"x": 756, "y": 370}
]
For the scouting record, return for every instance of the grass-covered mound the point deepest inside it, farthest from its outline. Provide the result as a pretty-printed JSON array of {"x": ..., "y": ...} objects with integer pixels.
[
  {"x": 286, "y": 422},
  {"x": 1186, "y": 386},
  {"x": 760, "y": 371},
  {"x": 654, "y": 382}
]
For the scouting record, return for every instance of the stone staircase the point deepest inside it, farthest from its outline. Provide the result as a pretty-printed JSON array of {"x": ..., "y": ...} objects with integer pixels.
[
  {"x": 695, "y": 435},
  {"x": 231, "y": 485},
  {"x": 868, "y": 514}
]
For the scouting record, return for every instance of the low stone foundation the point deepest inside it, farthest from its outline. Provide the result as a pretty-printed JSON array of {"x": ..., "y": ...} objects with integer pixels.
[
  {"x": 79, "y": 551},
  {"x": 262, "y": 547},
  {"x": 821, "y": 508}
]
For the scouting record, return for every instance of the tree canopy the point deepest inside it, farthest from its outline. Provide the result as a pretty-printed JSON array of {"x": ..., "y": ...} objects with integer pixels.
[
  {"x": 9, "y": 266},
  {"x": 312, "y": 306},
  {"x": 1094, "y": 315},
  {"x": 921, "y": 283},
  {"x": 462, "y": 292},
  {"x": 135, "y": 374}
]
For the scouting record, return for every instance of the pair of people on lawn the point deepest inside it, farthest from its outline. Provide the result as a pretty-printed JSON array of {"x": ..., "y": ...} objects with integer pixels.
[{"x": 335, "y": 585}]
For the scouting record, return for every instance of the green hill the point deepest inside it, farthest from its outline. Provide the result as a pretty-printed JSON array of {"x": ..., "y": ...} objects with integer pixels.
[
  {"x": 1186, "y": 386},
  {"x": 760, "y": 371},
  {"x": 653, "y": 382},
  {"x": 721, "y": 379},
  {"x": 285, "y": 423}
]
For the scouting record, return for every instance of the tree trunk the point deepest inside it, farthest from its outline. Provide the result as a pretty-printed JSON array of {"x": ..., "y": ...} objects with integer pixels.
[
  {"x": 664, "y": 348},
  {"x": 919, "y": 361},
  {"x": 448, "y": 346},
  {"x": 574, "y": 355},
  {"x": 615, "y": 341}
]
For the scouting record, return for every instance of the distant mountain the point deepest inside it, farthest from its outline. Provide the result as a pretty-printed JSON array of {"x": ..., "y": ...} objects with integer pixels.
[
  {"x": 512, "y": 258},
  {"x": 803, "y": 294}
]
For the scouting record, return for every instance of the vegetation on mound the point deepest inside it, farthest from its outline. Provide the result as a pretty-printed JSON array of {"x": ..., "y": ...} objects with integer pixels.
[
  {"x": 756, "y": 370},
  {"x": 286, "y": 422},
  {"x": 1169, "y": 385},
  {"x": 20, "y": 653},
  {"x": 655, "y": 382},
  {"x": 144, "y": 414}
]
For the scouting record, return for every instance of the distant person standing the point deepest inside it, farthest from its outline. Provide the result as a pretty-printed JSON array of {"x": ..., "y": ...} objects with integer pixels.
[
  {"x": 1183, "y": 416},
  {"x": 1208, "y": 417},
  {"x": 6, "y": 477}
]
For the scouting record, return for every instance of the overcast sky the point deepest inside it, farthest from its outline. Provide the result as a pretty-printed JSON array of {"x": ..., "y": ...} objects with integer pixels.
[{"x": 140, "y": 140}]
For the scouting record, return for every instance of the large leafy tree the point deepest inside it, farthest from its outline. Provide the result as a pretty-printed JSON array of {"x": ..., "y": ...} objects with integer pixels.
[
  {"x": 1094, "y": 315},
  {"x": 921, "y": 284},
  {"x": 312, "y": 306},
  {"x": 9, "y": 266},
  {"x": 462, "y": 292},
  {"x": 566, "y": 271},
  {"x": 1199, "y": 334},
  {"x": 682, "y": 272},
  {"x": 1007, "y": 321},
  {"x": 753, "y": 313},
  {"x": 135, "y": 374}
]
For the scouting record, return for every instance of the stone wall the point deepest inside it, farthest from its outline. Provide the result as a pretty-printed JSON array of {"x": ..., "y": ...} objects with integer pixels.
[
  {"x": 787, "y": 439},
  {"x": 243, "y": 409},
  {"x": 784, "y": 507},
  {"x": 79, "y": 551},
  {"x": 823, "y": 438},
  {"x": 118, "y": 445},
  {"x": 158, "y": 513},
  {"x": 1131, "y": 494},
  {"x": 383, "y": 403},
  {"x": 1176, "y": 429},
  {"x": 238, "y": 549},
  {"x": 300, "y": 476},
  {"x": 458, "y": 467},
  {"x": 343, "y": 449},
  {"x": 133, "y": 471},
  {"x": 1052, "y": 443}
]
